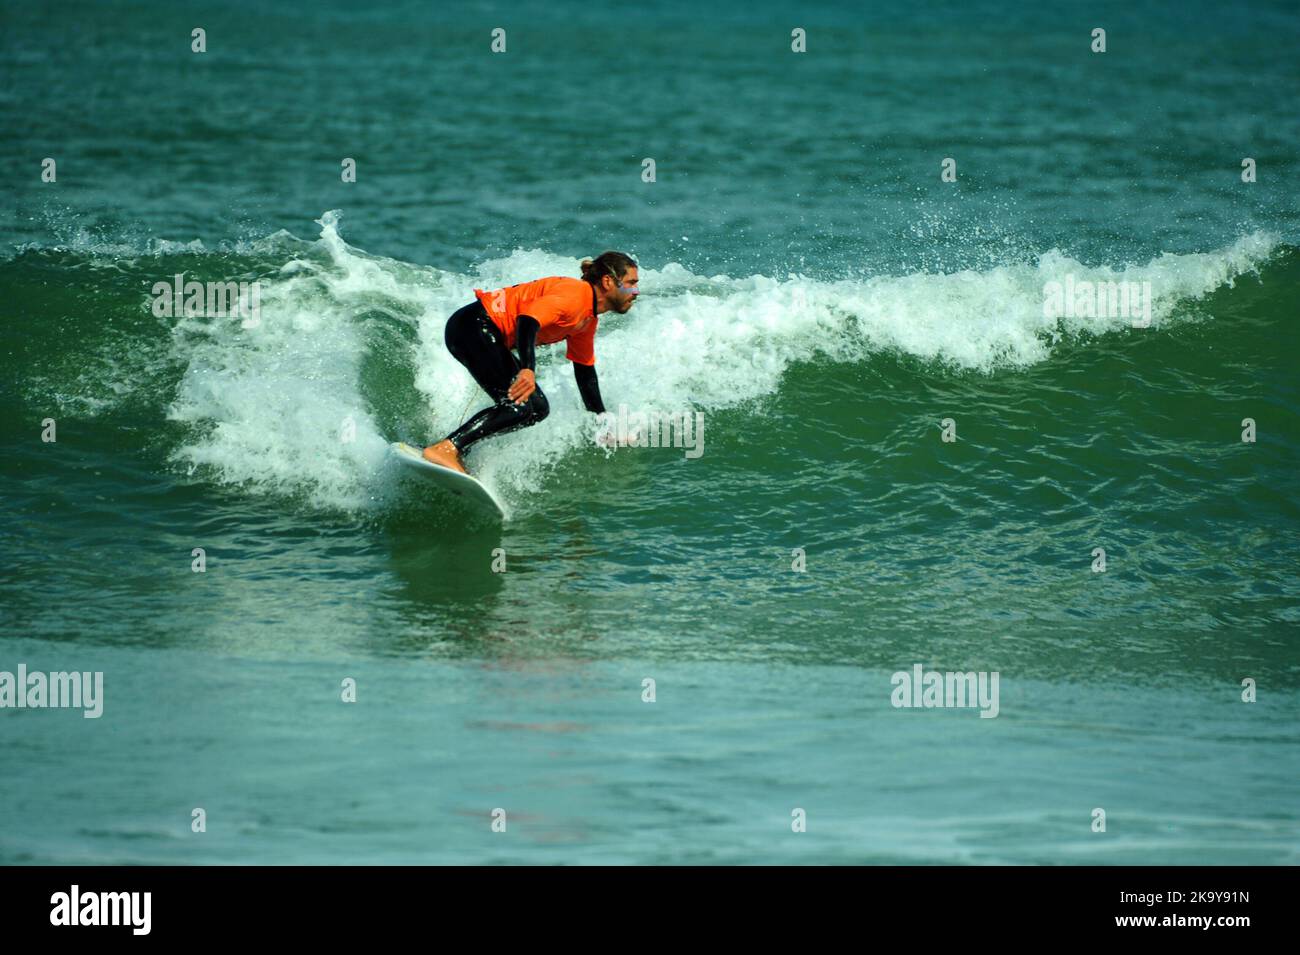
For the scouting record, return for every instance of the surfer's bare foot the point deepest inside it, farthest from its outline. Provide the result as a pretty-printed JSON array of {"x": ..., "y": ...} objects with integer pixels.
[{"x": 445, "y": 453}]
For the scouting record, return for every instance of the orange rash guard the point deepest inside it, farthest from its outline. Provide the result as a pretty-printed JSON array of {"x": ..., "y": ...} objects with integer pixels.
[{"x": 565, "y": 308}]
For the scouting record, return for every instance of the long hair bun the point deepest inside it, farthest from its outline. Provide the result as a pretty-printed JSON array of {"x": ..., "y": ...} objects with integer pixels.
[{"x": 607, "y": 263}]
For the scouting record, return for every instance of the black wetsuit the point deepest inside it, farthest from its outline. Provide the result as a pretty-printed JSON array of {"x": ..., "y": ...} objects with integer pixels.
[{"x": 475, "y": 341}]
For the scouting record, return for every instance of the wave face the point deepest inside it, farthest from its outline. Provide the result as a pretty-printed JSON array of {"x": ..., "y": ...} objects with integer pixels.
[{"x": 348, "y": 353}]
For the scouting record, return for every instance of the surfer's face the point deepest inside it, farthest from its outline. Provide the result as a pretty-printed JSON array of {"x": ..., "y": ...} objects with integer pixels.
[{"x": 623, "y": 293}]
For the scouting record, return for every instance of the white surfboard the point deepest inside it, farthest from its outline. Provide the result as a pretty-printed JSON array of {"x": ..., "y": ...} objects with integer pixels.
[{"x": 467, "y": 488}]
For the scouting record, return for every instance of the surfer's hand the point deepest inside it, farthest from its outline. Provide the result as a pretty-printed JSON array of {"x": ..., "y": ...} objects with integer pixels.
[{"x": 522, "y": 388}]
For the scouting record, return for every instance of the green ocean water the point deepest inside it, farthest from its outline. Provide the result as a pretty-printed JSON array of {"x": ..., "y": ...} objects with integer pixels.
[{"x": 809, "y": 285}]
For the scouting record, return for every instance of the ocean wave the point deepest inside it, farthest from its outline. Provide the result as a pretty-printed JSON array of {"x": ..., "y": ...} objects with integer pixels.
[{"x": 348, "y": 353}]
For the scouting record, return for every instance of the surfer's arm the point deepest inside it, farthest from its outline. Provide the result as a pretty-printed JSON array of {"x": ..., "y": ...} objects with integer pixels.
[
  {"x": 543, "y": 312},
  {"x": 526, "y": 340},
  {"x": 585, "y": 376},
  {"x": 521, "y": 389}
]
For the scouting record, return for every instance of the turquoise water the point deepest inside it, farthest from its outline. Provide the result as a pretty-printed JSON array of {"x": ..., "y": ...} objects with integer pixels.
[{"x": 810, "y": 285}]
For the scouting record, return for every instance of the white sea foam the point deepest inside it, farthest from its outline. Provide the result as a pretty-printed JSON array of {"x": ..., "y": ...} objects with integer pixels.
[{"x": 275, "y": 401}]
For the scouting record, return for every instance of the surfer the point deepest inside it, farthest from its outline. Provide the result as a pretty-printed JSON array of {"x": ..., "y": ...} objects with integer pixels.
[{"x": 481, "y": 335}]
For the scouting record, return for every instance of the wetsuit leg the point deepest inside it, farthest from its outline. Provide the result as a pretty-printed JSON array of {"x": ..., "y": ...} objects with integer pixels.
[{"x": 475, "y": 341}]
